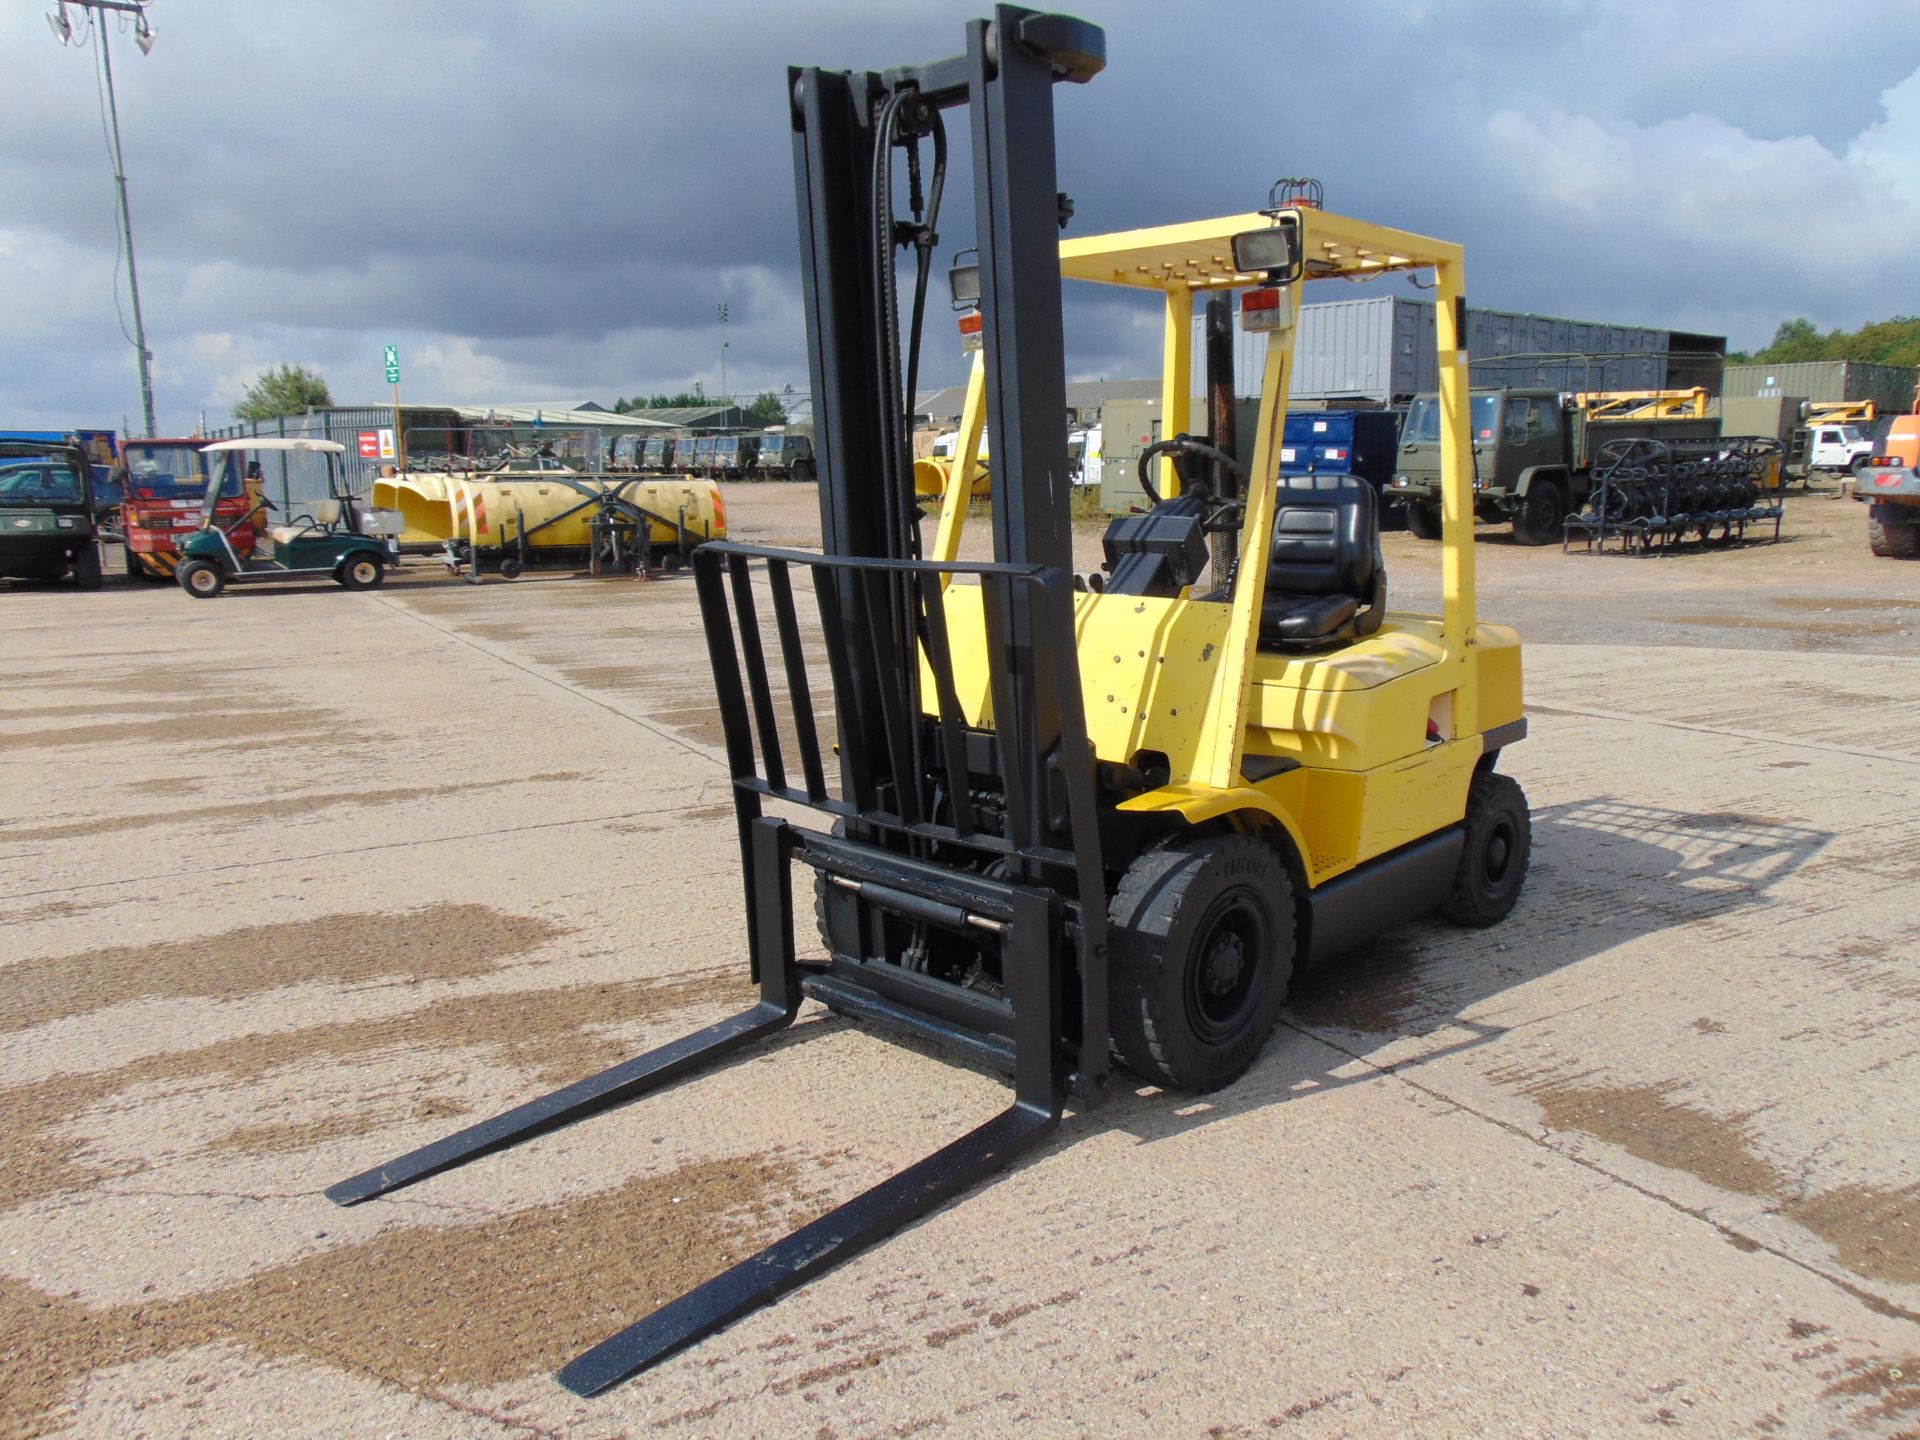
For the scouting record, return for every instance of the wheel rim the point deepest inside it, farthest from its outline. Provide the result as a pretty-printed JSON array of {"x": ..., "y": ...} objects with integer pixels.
[
  {"x": 1496, "y": 859},
  {"x": 1223, "y": 971},
  {"x": 202, "y": 581},
  {"x": 363, "y": 572}
]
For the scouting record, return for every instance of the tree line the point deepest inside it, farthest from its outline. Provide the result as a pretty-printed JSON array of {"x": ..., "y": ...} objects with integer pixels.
[
  {"x": 1883, "y": 342},
  {"x": 765, "y": 407}
]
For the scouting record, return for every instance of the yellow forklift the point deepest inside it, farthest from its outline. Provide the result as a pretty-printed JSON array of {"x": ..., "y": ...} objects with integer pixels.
[{"x": 1073, "y": 818}]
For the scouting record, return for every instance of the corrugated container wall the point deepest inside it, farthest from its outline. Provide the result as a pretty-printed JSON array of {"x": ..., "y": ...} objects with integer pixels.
[
  {"x": 1888, "y": 386},
  {"x": 1380, "y": 350}
]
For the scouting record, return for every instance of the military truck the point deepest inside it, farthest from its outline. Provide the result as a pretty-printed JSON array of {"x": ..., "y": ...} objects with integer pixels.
[{"x": 1532, "y": 455}]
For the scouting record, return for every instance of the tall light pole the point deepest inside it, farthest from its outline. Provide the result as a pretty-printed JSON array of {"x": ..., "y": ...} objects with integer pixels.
[
  {"x": 143, "y": 37},
  {"x": 721, "y": 310}
]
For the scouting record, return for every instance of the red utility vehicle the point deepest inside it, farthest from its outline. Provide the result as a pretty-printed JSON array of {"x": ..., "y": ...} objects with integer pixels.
[{"x": 166, "y": 481}]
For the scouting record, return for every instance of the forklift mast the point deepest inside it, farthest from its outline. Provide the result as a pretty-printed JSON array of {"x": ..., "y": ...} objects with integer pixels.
[{"x": 847, "y": 126}]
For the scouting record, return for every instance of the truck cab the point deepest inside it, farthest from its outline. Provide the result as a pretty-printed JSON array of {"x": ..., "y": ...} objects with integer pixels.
[{"x": 1521, "y": 462}]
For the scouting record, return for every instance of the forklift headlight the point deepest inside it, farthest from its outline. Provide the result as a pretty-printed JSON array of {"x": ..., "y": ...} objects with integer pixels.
[
  {"x": 964, "y": 281},
  {"x": 1273, "y": 253}
]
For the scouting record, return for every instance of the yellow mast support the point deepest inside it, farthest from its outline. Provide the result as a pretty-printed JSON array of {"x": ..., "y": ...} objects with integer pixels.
[
  {"x": 1223, "y": 729},
  {"x": 1456, "y": 490},
  {"x": 1176, "y": 380},
  {"x": 966, "y": 455}
]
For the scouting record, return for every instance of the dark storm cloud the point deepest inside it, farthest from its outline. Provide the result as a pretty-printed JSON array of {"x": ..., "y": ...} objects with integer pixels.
[{"x": 541, "y": 201}]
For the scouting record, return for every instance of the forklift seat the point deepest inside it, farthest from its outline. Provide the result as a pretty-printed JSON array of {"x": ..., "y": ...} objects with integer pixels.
[{"x": 1326, "y": 578}]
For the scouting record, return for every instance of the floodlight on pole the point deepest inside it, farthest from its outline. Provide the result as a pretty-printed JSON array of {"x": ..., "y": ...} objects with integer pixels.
[{"x": 143, "y": 37}]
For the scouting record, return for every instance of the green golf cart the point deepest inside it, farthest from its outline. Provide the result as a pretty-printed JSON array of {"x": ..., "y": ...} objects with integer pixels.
[{"x": 342, "y": 536}]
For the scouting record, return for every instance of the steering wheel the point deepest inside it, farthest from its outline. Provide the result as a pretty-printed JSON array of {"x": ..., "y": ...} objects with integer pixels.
[
  {"x": 1183, "y": 445},
  {"x": 238, "y": 521}
]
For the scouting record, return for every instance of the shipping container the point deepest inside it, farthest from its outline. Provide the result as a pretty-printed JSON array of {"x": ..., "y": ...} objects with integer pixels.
[
  {"x": 1380, "y": 351},
  {"x": 1891, "y": 387},
  {"x": 1352, "y": 442}
]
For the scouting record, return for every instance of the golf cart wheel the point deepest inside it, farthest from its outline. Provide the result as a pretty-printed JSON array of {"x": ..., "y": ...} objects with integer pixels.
[
  {"x": 1892, "y": 539},
  {"x": 86, "y": 567},
  {"x": 511, "y": 569},
  {"x": 361, "y": 572},
  {"x": 201, "y": 580},
  {"x": 1542, "y": 515},
  {"x": 1493, "y": 861},
  {"x": 1202, "y": 950},
  {"x": 1423, "y": 520}
]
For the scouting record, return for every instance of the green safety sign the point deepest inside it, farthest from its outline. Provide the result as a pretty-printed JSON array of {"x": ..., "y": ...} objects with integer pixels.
[{"x": 393, "y": 364}]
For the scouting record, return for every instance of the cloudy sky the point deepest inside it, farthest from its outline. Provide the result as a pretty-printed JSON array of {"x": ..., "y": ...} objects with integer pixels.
[{"x": 542, "y": 201}]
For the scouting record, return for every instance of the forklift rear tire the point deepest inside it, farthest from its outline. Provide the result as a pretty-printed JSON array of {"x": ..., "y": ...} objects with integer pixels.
[
  {"x": 1493, "y": 861},
  {"x": 1423, "y": 520},
  {"x": 361, "y": 572},
  {"x": 1202, "y": 951},
  {"x": 201, "y": 580}
]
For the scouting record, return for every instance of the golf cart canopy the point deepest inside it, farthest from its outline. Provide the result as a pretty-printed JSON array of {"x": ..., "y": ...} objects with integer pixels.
[{"x": 275, "y": 442}]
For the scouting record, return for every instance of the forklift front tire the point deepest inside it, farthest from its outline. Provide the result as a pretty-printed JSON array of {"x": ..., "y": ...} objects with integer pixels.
[
  {"x": 1493, "y": 861},
  {"x": 361, "y": 572},
  {"x": 1423, "y": 520},
  {"x": 1201, "y": 954},
  {"x": 201, "y": 580}
]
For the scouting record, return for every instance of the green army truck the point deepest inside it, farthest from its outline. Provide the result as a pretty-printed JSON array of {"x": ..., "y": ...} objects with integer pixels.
[{"x": 1532, "y": 454}]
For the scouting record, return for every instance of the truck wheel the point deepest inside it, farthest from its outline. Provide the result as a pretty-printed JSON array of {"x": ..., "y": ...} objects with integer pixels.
[
  {"x": 135, "y": 570},
  {"x": 361, "y": 572},
  {"x": 86, "y": 567},
  {"x": 1892, "y": 539},
  {"x": 201, "y": 580},
  {"x": 801, "y": 470},
  {"x": 1542, "y": 515},
  {"x": 1202, "y": 950},
  {"x": 511, "y": 568},
  {"x": 1423, "y": 520},
  {"x": 1493, "y": 861}
]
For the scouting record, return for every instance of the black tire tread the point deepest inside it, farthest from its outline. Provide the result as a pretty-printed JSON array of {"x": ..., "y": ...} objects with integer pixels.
[
  {"x": 1488, "y": 795},
  {"x": 1895, "y": 541},
  {"x": 1142, "y": 913}
]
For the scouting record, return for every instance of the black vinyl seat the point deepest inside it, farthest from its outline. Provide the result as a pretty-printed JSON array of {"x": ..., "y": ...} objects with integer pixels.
[{"x": 1326, "y": 578}]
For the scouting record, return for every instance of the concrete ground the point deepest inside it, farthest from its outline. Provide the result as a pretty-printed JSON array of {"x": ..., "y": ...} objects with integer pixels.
[{"x": 296, "y": 879}]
